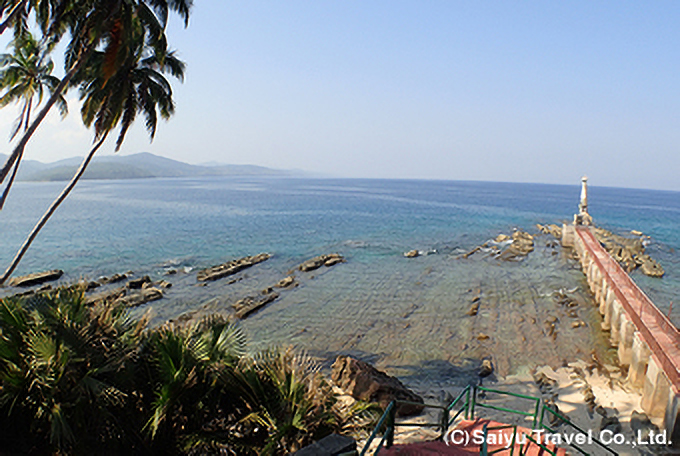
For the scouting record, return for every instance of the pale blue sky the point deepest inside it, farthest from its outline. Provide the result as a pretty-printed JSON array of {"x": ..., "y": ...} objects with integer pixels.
[{"x": 476, "y": 90}]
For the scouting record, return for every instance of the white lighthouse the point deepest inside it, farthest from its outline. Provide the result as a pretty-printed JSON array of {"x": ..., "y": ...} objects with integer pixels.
[{"x": 583, "y": 218}]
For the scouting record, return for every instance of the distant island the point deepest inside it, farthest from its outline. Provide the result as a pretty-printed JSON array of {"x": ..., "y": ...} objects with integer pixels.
[{"x": 136, "y": 166}]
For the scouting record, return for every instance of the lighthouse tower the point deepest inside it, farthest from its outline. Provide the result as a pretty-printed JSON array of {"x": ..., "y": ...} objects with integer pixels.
[{"x": 583, "y": 218}]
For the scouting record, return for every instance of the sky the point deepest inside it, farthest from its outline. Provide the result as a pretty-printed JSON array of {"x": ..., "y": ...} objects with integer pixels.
[{"x": 522, "y": 91}]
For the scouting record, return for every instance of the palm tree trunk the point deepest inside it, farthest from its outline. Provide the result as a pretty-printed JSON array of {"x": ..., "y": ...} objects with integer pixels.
[
  {"x": 19, "y": 148},
  {"x": 21, "y": 145},
  {"x": 3, "y": 198},
  {"x": 55, "y": 204}
]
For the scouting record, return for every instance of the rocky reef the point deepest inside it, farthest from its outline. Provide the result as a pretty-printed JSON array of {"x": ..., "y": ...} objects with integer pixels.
[
  {"x": 507, "y": 248},
  {"x": 322, "y": 260},
  {"x": 36, "y": 278},
  {"x": 249, "y": 304},
  {"x": 629, "y": 252},
  {"x": 231, "y": 267}
]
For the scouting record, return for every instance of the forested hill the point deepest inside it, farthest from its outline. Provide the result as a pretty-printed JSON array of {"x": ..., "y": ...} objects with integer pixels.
[{"x": 137, "y": 166}]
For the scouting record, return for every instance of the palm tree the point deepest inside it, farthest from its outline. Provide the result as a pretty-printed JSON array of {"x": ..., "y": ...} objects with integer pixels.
[
  {"x": 13, "y": 14},
  {"x": 62, "y": 366},
  {"x": 137, "y": 87},
  {"x": 92, "y": 24},
  {"x": 25, "y": 75},
  {"x": 293, "y": 403},
  {"x": 188, "y": 400}
]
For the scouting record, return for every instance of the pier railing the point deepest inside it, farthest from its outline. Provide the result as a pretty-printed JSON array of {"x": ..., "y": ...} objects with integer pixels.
[{"x": 643, "y": 313}]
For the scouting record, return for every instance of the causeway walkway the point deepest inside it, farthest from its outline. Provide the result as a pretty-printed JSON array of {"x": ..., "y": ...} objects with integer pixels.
[{"x": 647, "y": 341}]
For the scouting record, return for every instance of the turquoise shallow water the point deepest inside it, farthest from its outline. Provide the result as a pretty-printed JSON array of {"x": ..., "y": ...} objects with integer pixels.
[{"x": 407, "y": 315}]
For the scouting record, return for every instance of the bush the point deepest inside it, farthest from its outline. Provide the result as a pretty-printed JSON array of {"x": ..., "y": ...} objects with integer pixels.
[{"x": 84, "y": 379}]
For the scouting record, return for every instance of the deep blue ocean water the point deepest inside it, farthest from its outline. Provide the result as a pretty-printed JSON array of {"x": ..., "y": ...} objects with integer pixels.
[{"x": 403, "y": 314}]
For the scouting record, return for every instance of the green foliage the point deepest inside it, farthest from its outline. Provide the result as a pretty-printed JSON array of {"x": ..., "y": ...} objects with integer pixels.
[
  {"x": 84, "y": 379},
  {"x": 25, "y": 74},
  {"x": 59, "y": 361}
]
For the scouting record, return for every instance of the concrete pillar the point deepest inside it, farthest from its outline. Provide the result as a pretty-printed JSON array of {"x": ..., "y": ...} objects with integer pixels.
[
  {"x": 626, "y": 340},
  {"x": 638, "y": 362},
  {"x": 656, "y": 390},
  {"x": 614, "y": 323},
  {"x": 608, "y": 299},
  {"x": 568, "y": 233},
  {"x": 671, "y": 421},
  {"x": 600, "y": 284}
]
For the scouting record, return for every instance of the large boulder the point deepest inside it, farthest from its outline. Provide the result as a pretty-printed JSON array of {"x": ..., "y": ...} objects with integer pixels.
[
  {"x": 650, "y": 267},
  {"x": 522, "y": 245},
  {"x": 366, "y": 383}
]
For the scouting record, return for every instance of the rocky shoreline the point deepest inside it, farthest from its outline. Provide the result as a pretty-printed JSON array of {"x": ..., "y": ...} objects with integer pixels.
[{"x": 514, "y": 248}]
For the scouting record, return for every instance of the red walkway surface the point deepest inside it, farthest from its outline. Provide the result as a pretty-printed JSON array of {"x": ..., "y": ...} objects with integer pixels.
[
  {"x": 661, "y": 336},
  {"x": 472, "y": 428}
]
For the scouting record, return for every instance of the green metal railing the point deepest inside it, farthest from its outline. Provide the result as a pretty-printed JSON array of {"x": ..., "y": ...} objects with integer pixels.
[
  {"x": 460, "y": 405},
  {"x": 465, "y": 404},
  {"x": 564, "y": 420},
  {"x": 484, "y": 450},
  {"x": 535, "y": 400}
]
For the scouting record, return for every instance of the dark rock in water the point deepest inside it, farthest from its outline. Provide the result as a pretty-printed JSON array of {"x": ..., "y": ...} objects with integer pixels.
[
  {"x": 322, "y": 260},
  {"x": 610, "y": 423},
  {"x": 642, "y": 425},
  {"x": 106, "y": 296},
  {"x": 230, "y": 268},
  {"x": 36, "y": 278},
  {"x": 250, "y": 304},
  {"x": 137, "y": 284},
  {"x": 285, "y": 282},
  {"x": 92, "y": 285},
  {"x": 486, "y": 368},
  {"x": 334, "y": 259},
  {"x": 141, "y": 297},
  {"x": 601, "y": 411},
  {"x": 412, "y": 254},
  {"x": 474, "y": 309},
  {"x": 164, "y": 284},
  {"x": 113, "y": 279},
  {"x": 366, "y": 383}
]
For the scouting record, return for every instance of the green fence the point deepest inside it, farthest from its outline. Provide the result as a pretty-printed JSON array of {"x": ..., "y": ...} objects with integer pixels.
[{"x": 466, "y": 404}]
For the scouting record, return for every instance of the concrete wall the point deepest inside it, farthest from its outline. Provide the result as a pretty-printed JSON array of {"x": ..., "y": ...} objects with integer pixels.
[{"x": 660, "y": 398}]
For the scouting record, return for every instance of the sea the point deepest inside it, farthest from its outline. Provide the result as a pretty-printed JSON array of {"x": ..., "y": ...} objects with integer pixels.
[{"x": 409, "y": 316}]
